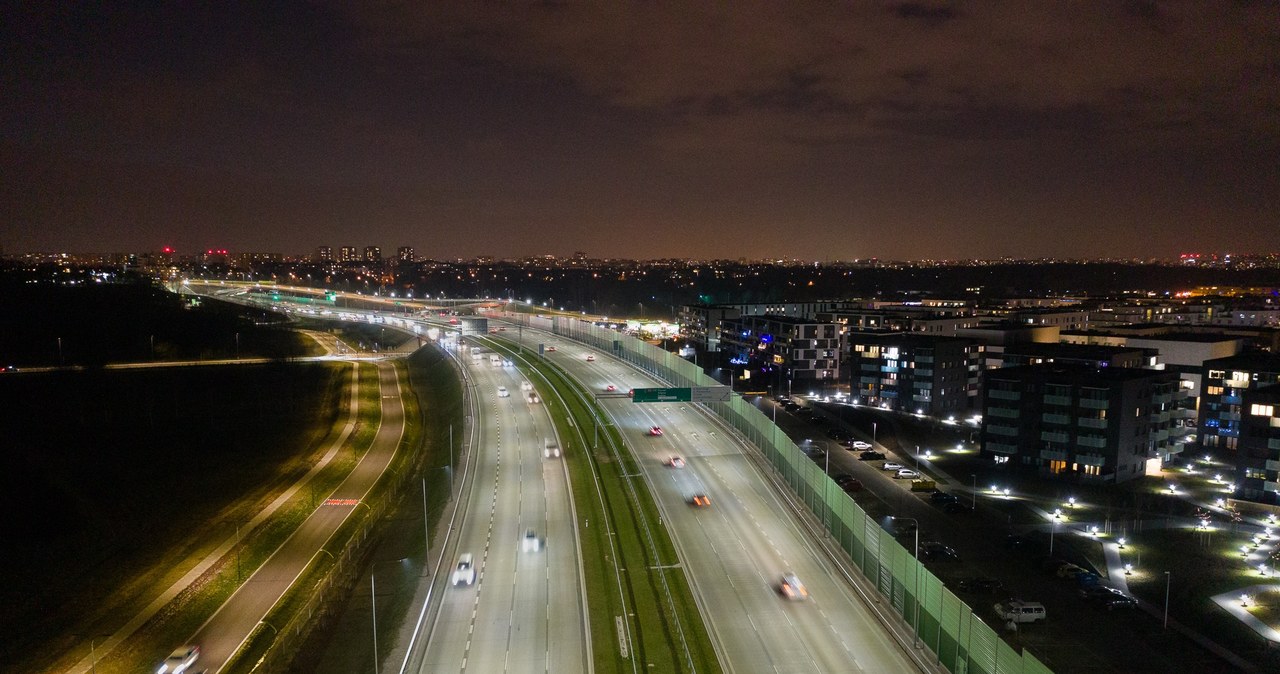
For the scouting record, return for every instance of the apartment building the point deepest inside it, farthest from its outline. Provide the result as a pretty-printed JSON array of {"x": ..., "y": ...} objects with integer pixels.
[
  {"x": 782, "y": 349},
  {"x": 1078, "y": 422},
  {"x": 915, "y": 373}
]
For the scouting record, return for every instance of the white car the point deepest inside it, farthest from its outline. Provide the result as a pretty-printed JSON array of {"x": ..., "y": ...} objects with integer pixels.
[
  {"x": 526, "y": 386},
  {"x": 465, "y": 572},
  {"x": 907, "y": 474},
  {"x": 503, "y": 392},
  {"x": 861, "y": 445},
  {"x": 550, "y": 448},
  {"x": 890, "y": 465},
  {"x": 180, "y": 660},
  {"x": 676, "y": 462},
  {"x": 533, "y": 398},
  {"x": 530, "y": 542},
  {"x": 591, "y": 358},
  {"x": 792, "y": 588}
]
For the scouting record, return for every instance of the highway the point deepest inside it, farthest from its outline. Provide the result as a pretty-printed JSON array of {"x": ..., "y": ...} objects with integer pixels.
[
  {"x": 525, "y": 612},
  {"x": 737, "y": 549}
]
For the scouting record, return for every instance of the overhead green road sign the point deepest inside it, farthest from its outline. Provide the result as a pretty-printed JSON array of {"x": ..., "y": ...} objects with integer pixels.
[
  {"x": 697, "y": 394},
  {"x": 662, "y": 395}
]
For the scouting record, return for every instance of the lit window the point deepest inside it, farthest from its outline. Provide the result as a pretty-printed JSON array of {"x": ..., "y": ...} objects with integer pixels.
[{"x": 1262, "y": 410}]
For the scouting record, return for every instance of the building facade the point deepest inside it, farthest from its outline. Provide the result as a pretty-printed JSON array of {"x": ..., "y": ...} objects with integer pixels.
[
  {"x": 1258, "y": 476},
  {"x": 918, "y": 374},
  {"x": 780, "y": 350},
  {"x": 1078, "y": 422}
]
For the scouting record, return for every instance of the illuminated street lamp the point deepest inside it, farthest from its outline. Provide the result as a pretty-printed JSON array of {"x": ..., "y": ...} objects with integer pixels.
[
  {"x": 1244, "y": 600},
  {"x": 1057, "y": 513},
  {"x": 1071, "y": 502},
  {"x": 1006, "y": 492},
  {"x": 1121, "y": 542},
  {"x": 1093, "y": 531},
  {"x": 1221, "y": 503},
  {"x": 1128, "y": 569}
]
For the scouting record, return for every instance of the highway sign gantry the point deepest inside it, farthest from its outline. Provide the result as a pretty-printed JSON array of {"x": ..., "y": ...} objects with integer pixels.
[{"x": 697, "y": 394}]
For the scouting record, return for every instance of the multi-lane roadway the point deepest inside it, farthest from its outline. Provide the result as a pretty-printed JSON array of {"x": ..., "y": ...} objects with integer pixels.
[
  {"x": 525, "y": 610},
  {"x": 737, "y": 549}
]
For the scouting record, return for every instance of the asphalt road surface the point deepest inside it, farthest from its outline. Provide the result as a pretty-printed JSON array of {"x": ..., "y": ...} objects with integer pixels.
[
  {"x": 524, "y": 613},
  {"x": 737, "y": 549}
]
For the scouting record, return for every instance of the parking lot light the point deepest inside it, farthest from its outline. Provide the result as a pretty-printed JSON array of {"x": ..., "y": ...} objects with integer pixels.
[
  {"x": 1217, "y": 477},
  {"x": 1262, "y": 569},
  {"x": 1006, "y": 492},
  {"x": 994, "y": 489},
  {"x": 1072, "y": 502},
  {"x": 1093, "y": 531},
  {"x": 1057, "y": 513},
  {"x": 1266, "y": 533},
  {"x": 1121, "y": 542},
  {"x": 1128, "y": 569},
  {"x": 1244, "y": 600},
  {"x": 1221, "y": 503},
  {"x": 1244, "y": 550}
]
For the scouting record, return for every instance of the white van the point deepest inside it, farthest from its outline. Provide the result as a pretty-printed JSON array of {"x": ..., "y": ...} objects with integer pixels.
[
  {"x": 1021, "y": 611},
  {"x": 495, "y": 360}
]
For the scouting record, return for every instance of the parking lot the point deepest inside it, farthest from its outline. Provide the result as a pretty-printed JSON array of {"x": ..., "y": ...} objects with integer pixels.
[{"x": 1001, "y": 548}]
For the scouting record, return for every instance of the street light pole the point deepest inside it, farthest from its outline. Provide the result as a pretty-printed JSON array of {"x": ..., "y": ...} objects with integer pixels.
[
  {"x": 975, "y": 491},
  {"x": 426, "y": 524},
  {"x": 873, "y": 435},
  {"x": 1167, "y": 579},
  {"x": 373, "y": 600}
]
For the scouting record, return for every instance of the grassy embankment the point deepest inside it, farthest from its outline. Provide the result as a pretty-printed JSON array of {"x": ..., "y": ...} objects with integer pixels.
[{"x": 625, "y": 573}]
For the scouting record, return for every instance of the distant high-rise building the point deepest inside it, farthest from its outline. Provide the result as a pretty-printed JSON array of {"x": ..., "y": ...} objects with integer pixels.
[
  {"x": 405, "y": 254},
  {"x": 324, "y": 254},
  {"x": 348, "y": 254},
  {"x": 372, "y": 253}
]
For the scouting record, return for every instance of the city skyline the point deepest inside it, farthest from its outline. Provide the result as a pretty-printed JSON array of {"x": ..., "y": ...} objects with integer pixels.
[{"x": 897, "y": 130}]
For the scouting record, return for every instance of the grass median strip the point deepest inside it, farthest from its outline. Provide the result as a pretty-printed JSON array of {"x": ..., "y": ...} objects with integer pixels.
[{"x": 634, "y": 572}]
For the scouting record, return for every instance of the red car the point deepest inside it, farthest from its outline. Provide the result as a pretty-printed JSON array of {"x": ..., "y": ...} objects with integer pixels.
[
  {"x": 654, "y": 430},
  {"x": 611, "y": 388}
]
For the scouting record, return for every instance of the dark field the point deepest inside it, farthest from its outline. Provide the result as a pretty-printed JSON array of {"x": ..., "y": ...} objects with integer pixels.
[{"x": 109, "y": 473}]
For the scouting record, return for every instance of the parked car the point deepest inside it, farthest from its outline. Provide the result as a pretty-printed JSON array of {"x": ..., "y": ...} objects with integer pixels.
[
  {"x": 861, "y": 445},
  {"x": 906, "y": 474},
  {"x": 942, "y": 497},
  {"x": 1108, "y": 598},
  {"x": 871, "y": 456},
  {"x": 891, "y": 465},
  {"x": 1021, "y": 611},
  {"x": 852, "y": 486},
  {"x": 981, "y": 585},
  {"x": 937, "y": 552}
]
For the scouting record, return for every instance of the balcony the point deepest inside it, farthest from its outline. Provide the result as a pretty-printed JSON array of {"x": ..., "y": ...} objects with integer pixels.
[
  {"x": 1161, "y": 417},
  {"x": 1089, "y": 422},
  {"x": 1061, "y": 401},
  {"x": 1052, "y": 436},
  {"x": 1094, "y": 403},
  {"x": 1095, "y": 441},
  {"x": 1273, "y": 465},
  {"x": 1051, "y": 455},
  {"x": 997, "y": 394},
  {"x": 1273, "y": 443},
  {"x": 1003, "y": 412},
  {"x": 1001, "y": 448},
  {"x": 1091, "y": 459},
  {"x": 1059, "y": 419},
  {"x": 1002, "y": 430}
]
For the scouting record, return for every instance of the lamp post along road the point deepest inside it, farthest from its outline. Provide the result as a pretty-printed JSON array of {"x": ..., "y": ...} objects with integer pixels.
[{"x": 1167, "y": 580}]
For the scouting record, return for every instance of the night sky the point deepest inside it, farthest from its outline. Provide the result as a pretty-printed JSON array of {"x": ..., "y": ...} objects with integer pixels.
[{"x": 822, "y": 131}]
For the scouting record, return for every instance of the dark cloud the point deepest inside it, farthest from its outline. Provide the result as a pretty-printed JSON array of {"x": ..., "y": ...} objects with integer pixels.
[{"x": 954, "y": 124}]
